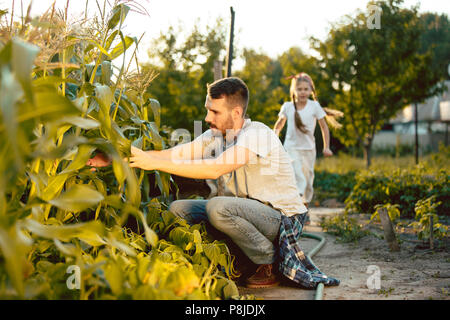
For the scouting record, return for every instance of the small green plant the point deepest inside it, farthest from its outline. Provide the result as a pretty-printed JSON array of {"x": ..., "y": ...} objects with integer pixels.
[
  {"x": 344, "y": 227},
  {"x": 386, "y": 292},
  {"x": 392, "y": 209},
  {"x": 425, "y": 210}
]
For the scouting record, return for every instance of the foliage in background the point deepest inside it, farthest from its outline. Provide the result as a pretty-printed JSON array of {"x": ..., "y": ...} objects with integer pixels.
[
  {"x": 425, "y": 210},
  {"x": 184, "y": 69},
  {"x": 392, "y": 210},
  {"x": 436, "y": 36},
  {"x": 388, "y": 181},
  {"x": 346, "y": 228},
  {"x": 60, "y": 102},
  {"x": 376, "y": 72},
  {"x": 401, "y": 186},
  {"x": 329, "y": 185}
]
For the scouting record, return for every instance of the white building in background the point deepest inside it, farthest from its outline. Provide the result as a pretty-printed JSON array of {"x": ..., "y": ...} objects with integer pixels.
[{"x": 433, "y": 122}]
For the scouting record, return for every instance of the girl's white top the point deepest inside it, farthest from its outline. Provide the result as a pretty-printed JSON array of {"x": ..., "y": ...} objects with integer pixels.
[{"x": 295, "y": 139}]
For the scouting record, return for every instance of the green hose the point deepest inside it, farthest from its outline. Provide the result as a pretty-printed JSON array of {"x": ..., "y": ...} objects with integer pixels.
[{"x": 310, "y": 254}]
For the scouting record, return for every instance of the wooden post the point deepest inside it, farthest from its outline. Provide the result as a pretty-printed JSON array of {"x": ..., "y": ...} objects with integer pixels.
[
  {"x": 230, "y": 44},
  {"x": 416, "y": 133},
  {"x": 431, "y": 233},
  {"x": 217, "y": 186},
  {"x": 389, "y": 233},
  {"x": 217, "y": 70}
]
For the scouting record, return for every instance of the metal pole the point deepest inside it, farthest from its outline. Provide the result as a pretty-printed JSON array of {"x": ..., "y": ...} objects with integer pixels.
[
  {"x": 416, "y": 134},
  {"x": 230, "y": 44}
]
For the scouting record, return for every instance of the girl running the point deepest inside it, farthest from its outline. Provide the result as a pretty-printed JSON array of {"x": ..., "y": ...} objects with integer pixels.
[{"x": 301, "y": 115}]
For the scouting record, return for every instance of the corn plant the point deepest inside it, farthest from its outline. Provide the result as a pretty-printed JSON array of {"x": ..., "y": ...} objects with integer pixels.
[{"x": 60, "y": 103}]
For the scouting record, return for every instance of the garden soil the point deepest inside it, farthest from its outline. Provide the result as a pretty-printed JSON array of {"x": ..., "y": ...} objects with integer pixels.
[{"x": 413, "y": 273}]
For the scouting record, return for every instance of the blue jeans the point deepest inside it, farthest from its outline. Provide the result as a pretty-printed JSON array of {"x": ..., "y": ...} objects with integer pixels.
[{"x": 252, "y": 225}]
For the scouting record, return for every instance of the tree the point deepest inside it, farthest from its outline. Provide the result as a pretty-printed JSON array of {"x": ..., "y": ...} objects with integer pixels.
[
  {"x": 375, "y": 72},
  {"x": 262, "y": 75},
  {"x": 436, "y": 38},
  {"x": 184, "y": 70}
]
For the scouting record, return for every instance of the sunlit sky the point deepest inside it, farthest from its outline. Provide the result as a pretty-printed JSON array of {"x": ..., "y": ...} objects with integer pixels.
[{"x": 268, "y": 26}]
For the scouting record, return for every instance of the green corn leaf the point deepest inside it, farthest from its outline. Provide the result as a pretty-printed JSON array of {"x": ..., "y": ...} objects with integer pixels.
[
  {"x": 156, "y": 108},
  {"x": 80, "y": 122},
  {"x": 99, "y": 46},
  {"x": 110, "y": 39},
  {"x": 114, "y": 276},
  {"x": 106, "y": 72},
  {"x": 22, "y": 60},
  {"x": 142, "y": 268},
  {"x": 104, "y": 97},
  {"x": 163, "y": 181},
  {"x": 150, "y": 235},
  {"x": 54, "y": 187},
  {"x": 119, "y": 13},
  {"x": 10, "y": 93},
  {"x": 119, "y": 171},
  {"x": 52, "y": 81},
  {"x": 114, "y": 200},
  {"x": 67, "y": 248},
  {"x": 90, "y": 232},
  {"x": 77, "y": 198},
  {"x": 121, "y": 47},
  {"x": 82, "y": 156},
  {"x": 154, "y": 137},
  {"x": 14, "y": 255},
  {"x": 49, "y": 105}
]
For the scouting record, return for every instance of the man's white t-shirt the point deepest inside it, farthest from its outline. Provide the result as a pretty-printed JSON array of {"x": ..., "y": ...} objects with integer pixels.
[
  {"x": 268, "y": 176},
  {"x": 295, "y": 139}
]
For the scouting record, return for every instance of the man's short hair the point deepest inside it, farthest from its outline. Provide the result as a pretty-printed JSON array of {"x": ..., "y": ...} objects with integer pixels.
[{"x": 233, "y": 89}]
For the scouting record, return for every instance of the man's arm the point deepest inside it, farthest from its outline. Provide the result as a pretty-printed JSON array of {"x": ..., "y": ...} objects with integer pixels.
[
  {"x": 230, "y": 160},
  {"x": 186, "y": 151}
]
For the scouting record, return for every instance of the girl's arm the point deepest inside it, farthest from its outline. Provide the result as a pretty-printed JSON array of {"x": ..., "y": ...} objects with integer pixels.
[
  {"x": 326, "y": 137},
  {"x": 279, "y": 125}
]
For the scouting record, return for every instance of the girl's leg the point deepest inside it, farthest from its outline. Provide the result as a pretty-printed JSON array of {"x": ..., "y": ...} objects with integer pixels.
[
  {"x": 297, "y": 164},
  {"x": 308, "y": 159}
]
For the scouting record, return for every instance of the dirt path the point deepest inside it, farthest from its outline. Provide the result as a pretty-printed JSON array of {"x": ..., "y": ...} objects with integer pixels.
[{"x": 412, "y": 273}]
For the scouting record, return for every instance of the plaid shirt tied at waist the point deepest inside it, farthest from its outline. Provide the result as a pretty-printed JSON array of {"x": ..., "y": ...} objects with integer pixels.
[{"x": 294, "y": 264}]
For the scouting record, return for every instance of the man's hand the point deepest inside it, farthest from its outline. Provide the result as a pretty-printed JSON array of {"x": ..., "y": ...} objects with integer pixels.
[
  {"x": 327, "y": 152},
  {"x": 100, "y": 160},
  {"x": 141, "y": 159}
]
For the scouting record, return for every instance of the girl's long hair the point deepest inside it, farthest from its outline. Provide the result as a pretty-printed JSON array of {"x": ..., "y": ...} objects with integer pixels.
[{"x": 331, "y": 114}]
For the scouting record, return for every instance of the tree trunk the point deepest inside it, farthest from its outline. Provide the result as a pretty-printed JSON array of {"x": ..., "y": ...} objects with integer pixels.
[
  {"x": 389, "y": 233},
  {"x": 367, "y": 153}
]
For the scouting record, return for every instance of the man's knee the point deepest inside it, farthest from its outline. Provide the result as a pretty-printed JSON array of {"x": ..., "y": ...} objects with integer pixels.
[
  {"x": 217, "y": 209},
  {"x": 176, "y": 207}
]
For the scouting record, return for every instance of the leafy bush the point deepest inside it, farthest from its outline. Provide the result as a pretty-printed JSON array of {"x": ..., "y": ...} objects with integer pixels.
[
  {"x": 392, "y": 210},
  {"x": 401, "y": 186},
  {"x": 60, "y": 102},
  {"x": 344, "y": 227},
  {"x": 425, "y": 210},
  {"x": 333, "y": 185}
]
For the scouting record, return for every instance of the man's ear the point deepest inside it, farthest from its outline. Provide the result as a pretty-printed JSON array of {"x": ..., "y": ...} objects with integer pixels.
[{"x": 237, "y": 112}]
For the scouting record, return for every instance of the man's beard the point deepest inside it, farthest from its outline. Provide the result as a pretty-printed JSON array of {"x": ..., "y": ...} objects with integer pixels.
[{"x": 227, "y": 125}]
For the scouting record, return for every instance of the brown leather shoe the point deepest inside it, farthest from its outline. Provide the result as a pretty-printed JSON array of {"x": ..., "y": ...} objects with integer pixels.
[{"x": 262, "y": 278}]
